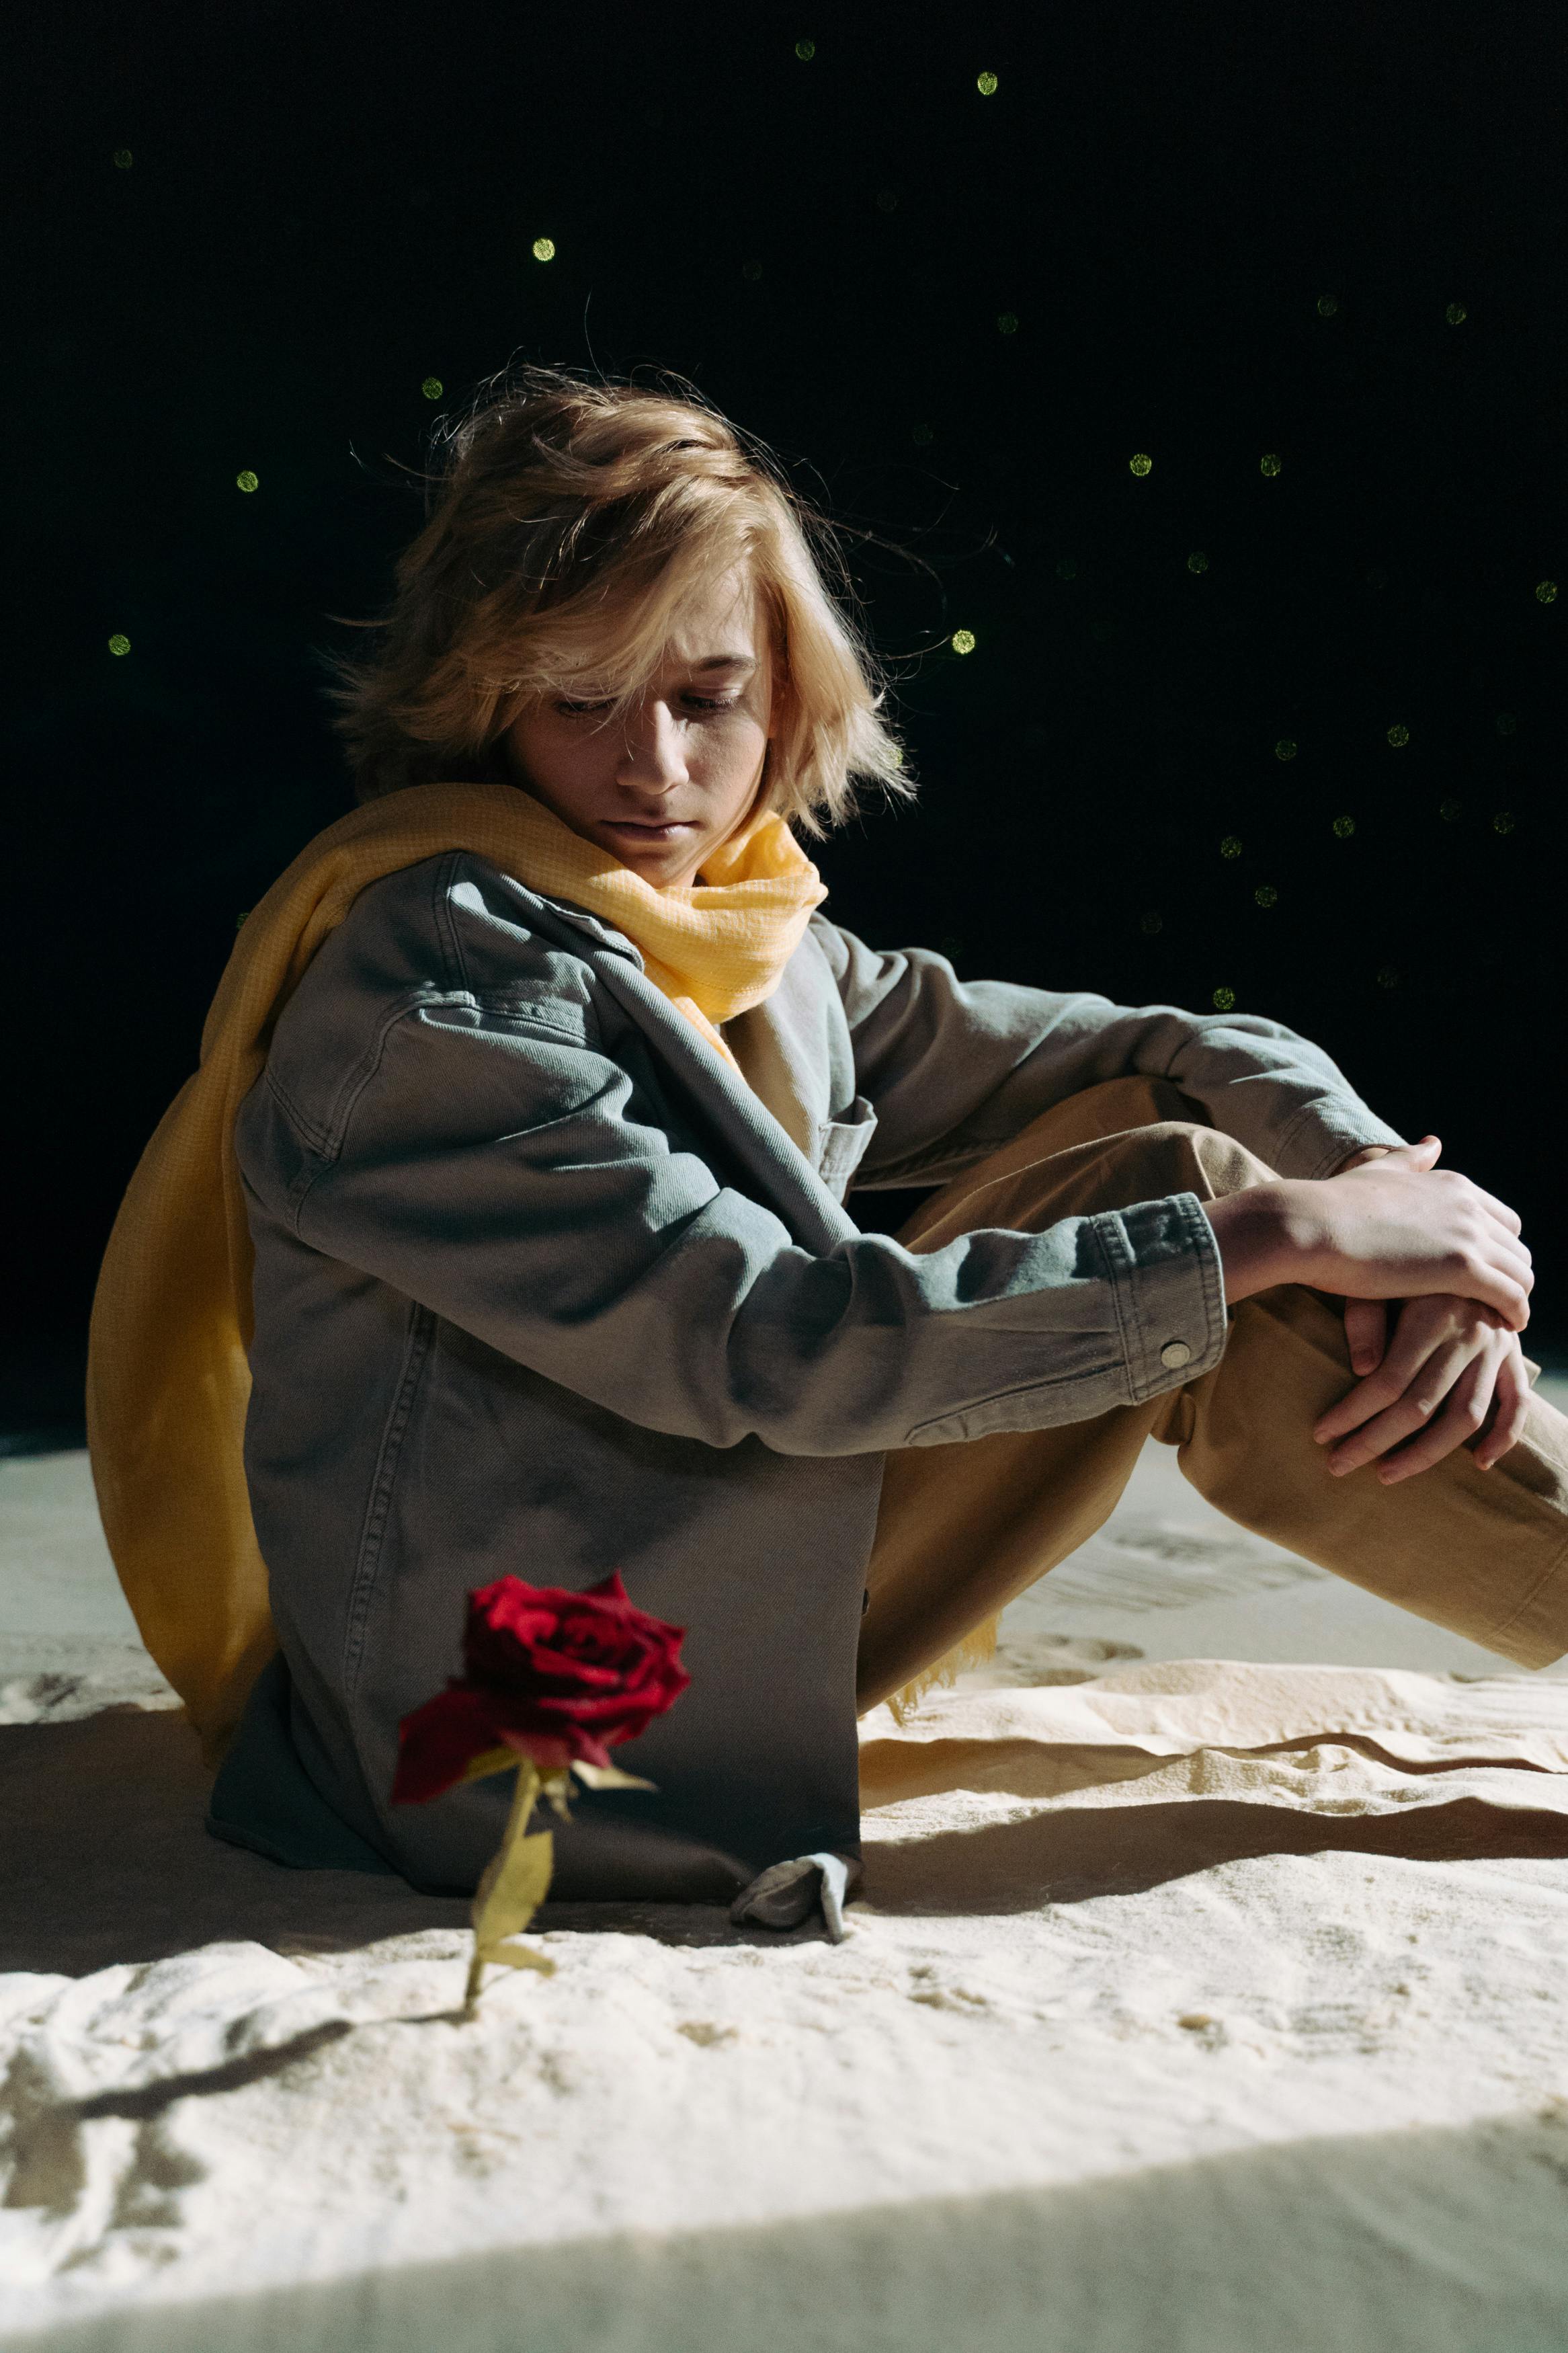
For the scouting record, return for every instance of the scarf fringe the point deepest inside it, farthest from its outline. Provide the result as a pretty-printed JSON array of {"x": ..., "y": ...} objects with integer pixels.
[{"x": 977, "y": 1649}]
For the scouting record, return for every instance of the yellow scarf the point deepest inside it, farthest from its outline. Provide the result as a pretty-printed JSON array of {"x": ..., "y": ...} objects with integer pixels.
[{"x": 168, "y": 1380}]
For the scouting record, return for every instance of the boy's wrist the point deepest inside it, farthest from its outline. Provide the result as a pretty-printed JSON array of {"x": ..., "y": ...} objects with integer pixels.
[{"x": 1266, "y": 1234}]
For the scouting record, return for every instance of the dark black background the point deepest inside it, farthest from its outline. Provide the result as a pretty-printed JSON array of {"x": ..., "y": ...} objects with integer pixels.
[{"x": 1222, "y": 233}]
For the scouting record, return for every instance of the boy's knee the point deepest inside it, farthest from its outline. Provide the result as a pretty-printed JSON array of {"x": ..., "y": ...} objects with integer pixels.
[{"x": 1193, "y": 1158}]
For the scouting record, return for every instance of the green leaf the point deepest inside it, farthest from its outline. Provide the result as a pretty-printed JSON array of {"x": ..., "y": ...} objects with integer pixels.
[
  {"x": 609, "y": 1777},
  {"x": 488, "y": 1760}
]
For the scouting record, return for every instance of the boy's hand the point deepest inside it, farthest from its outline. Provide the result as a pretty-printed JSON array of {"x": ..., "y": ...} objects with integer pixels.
[{"x": 1452, "y": 1369}]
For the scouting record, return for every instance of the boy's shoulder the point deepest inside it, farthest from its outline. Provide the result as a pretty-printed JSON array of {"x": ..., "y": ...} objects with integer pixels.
[{"x": 452, "y": 931}]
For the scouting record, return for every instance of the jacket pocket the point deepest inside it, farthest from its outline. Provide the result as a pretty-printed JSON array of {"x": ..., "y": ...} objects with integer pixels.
[{"x": 841, "y": 1146}]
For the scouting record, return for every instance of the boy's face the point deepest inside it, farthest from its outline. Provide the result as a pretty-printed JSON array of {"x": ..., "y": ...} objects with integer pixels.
[{"x": 665, "y": 786}]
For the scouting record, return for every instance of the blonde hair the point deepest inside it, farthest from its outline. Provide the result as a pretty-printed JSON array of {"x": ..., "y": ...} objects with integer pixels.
[{"x": 569, "y": 519}]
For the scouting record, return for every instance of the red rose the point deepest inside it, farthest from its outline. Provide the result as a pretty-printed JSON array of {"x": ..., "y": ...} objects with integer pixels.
[{"x": 557, "y": 1677}]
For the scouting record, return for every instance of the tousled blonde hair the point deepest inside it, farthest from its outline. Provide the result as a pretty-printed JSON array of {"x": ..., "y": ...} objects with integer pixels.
[{"x": 569, "y": 519}]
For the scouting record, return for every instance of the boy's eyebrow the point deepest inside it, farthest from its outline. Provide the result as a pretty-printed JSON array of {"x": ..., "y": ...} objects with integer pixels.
[{"x": 725, "y": 661}]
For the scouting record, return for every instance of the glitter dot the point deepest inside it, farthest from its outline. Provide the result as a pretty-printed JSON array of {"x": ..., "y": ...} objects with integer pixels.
[
  {"x": 923, "y": 434},
  {"x": 896, "y": 755},
  {"x": 1450, "y": 811},
  {"x": 1151, "y": 923},
  {"x": 1345, "y": 827},
  {"x": 1198, "y": 561},
  {"x": 1068, "y": 568},
  {"x": 752, "y": 270},
  {"x": 1377, "y": 577},
  {"x": 123, "y": 159},
  {"x": 242, "y": 919},
  {"x": 887, "y": 200},
  {"x": 1506, "y": 723},
  {"x": 1269, "y": 462},
  {"x": 1141, "y": 464},
  {"x": 1327, "y": 305},
  {"x": 1231, "y": 846},
  {"x": 247, "y": 481},
  {"x": 1399, "y": 737},
  {"x": 1546, "y": 591},
  {"x": 1286, "y": 748},
  {"x": 1388, "y": 977},
  {"x": 432, "y": 387},
  {"x": 1267, "y": 895},
  {"x": 1455, "y": 314},
  {"x": 1007, "y": 323},
  {"x": 962, "y": 642},
  {"x": 1223, "y": 999},
  {"x": 544, "y": 248},
  {"x": 985, "y": 84},
  {"x": 806, "y": 51},
  {"x": 118, "y": 645},
  {"x": 1503, "y": 821}
]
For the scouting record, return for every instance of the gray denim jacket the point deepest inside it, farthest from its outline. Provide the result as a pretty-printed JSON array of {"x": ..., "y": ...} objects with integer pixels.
[{"x": 543, "y": 1286}]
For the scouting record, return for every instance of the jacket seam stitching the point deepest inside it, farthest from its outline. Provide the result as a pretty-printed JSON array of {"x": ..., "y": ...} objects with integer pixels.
[{"x": 378, "y": 1506}]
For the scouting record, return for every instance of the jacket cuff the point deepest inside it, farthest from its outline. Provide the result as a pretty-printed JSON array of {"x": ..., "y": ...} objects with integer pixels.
[
  {"x": 1322, "y": 1133},
  {"x": 1163, "y": 1263}
]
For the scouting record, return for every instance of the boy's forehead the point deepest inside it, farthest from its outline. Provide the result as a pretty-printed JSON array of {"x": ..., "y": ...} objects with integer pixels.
[{"x": 716, "y": 622}]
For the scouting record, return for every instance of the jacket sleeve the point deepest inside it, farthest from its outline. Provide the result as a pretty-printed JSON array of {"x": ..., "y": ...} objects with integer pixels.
[
  {"x": 520, "y": 1183},
  {"x": 953, "y": 1068}
]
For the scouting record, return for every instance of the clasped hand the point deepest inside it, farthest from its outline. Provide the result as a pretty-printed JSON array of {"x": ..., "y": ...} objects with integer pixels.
[{"x": 1452, "y": 1375}]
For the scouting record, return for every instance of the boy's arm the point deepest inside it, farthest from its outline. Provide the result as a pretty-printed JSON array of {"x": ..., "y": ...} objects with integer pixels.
[{"x": 954, "y": 1068}]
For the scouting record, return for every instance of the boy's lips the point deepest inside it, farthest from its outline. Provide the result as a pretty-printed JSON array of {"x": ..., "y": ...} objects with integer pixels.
[{"x": 650, "y": 828}]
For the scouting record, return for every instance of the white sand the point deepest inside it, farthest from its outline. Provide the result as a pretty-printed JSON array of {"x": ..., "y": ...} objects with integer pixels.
[{"x": 1192, "y": 2005}]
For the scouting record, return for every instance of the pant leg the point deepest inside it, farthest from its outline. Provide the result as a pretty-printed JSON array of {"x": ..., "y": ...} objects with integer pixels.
[{"x": 962, "y": 1529}]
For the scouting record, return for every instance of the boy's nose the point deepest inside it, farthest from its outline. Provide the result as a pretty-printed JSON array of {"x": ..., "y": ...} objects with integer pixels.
[{"x": 653, "y": 753}]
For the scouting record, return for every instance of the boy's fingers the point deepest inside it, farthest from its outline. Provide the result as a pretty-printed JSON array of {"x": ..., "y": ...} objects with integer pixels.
[
  {"x": 1510, "y": 1409},
  {"x": 1460, "y": 1420},
  {"x": 1366, "y": 1332}
]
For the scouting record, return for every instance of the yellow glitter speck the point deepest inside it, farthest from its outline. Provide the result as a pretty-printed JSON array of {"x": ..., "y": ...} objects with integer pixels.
[
  {"x": 118, "y": 645},
  {"x": 1068, "y": 568},
  {"x": 1399, "y": 737},
  {"x": 1388, "y": 977},
  {"x": 1151, "y": 923},
  {"x": 1223, "y": 999},
  {"x": 1231, "y": 846},
  {"x": 1267, "y": 895},
  {"x": 806, "y": 51},
  {"x": 1455, "y": 314},
  {"x": 1345, "y": 827},
  {"x": 1269, "y": 462},
  {"x": 1506, "y": 723},
  {"x": 544, "y": 248},
  {"x": 1546, "y": 591},
  {"x": 887, "y": 200},
  {"x": 247, "y": 481},
  {"x": 123, "y": 159},
  {"x": 962, "y": 642},
  {"x": 896, "y": 756},
  {"x": 1286, "y": 748},
  {"x": 432, "y": 387},
  {"x": 1140, "y": 464},
  {"x": 1503, "y": 821},
  {"x": 985, "y": 84},
  {"x": 923, "y": 434},
  {"x": 1449, "y": 811},
  {"x": 1327, "y": 305},
  {"x": 1007, "y": 322},
  {"x": 752, "y": 270},
  {"x": 1198, "y": 561}
]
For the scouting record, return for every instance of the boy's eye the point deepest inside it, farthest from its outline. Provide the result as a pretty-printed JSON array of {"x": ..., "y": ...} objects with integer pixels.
[{"x": 693, "y": 702}]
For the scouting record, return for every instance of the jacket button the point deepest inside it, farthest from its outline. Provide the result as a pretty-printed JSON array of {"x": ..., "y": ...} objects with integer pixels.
[{"x": 1174, "y": 1355}]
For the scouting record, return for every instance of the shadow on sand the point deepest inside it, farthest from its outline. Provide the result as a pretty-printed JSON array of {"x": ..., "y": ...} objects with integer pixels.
[
  {"x": 1416, "y": 2242},
  {"x": 104, "y": 1859}
]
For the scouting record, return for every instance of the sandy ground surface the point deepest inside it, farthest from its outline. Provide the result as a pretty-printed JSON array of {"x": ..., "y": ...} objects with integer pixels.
[{"x": 1206, "y": 1991}]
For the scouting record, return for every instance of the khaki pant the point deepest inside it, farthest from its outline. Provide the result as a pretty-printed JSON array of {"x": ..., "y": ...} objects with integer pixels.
[{"x": 962, "y": 1529}]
